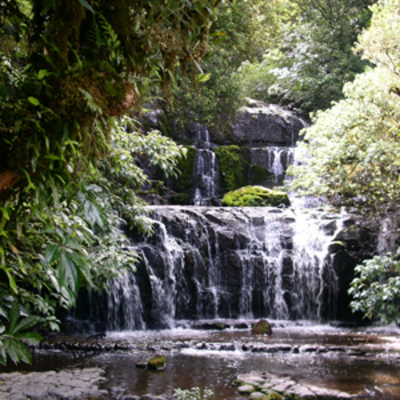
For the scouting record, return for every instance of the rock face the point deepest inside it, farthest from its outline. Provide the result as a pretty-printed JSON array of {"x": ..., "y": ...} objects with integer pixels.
[
  {"x": 261, "y": 124},
  {"x": 214, "y": 262},
  {"x": 51, "y": 385},
  {"x": 257, "y": 152}
]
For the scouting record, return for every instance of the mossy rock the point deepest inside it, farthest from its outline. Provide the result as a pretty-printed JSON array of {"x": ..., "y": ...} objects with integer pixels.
[
  {"x": 274, "y": 396},
  {"x": 157, "y": 363},
  {"x": 183, "y": 184},
  {"x": 233, "y": 165},
  {"x": 262, "y": 327},
  {"x": 258, "y": 396},
  {"x": 259, "y": 175},
  {"x": 255, "y": 196},
  {"x": 246, "y": 389}
]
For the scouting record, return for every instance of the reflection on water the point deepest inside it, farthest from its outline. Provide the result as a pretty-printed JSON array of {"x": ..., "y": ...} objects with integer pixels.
[{"x": 358, "y": 362}]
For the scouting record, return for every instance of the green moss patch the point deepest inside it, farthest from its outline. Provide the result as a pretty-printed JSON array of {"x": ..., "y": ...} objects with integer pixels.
[
  {"x": 255, "y": 196},
  {"x": 259, "y": 175},
  {"x": 157, "y": 362},
  {"x": 233, "y": 165}
]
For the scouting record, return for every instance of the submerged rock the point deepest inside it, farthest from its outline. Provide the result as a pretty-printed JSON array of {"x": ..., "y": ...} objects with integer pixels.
[{"x": 157, "y": 363}]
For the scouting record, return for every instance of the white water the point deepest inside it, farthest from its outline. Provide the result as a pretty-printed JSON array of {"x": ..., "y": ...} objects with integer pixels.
[{"x": 276, "y": 265}]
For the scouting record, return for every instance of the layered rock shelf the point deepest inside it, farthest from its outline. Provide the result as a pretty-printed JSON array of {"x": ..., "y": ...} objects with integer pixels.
[{"x": 266, "y": 386}]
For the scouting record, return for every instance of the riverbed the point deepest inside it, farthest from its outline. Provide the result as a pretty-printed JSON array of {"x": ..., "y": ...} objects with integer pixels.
[{"x": 364, "y": 362}]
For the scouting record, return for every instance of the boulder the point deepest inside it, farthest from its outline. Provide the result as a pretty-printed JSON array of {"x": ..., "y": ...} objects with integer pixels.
[
  {"x": 255, "y": 196},
  {"x": 157, "y": 363},
  {"x": 262, "y": 327},
  {"x": 259, "y": 123}
]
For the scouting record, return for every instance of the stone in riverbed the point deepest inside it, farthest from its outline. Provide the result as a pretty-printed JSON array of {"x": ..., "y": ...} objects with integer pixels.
[
  {"x": 246, "y": 389},
  {"x": 259, "y": 396},
  {"x": 157, "y": 363},
  {"x": 262, "y": 327}
]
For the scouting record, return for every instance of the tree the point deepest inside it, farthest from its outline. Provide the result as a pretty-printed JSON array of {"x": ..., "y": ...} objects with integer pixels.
[
  {"x": 311, "y": 57},
  {"x": 69, "y": 71},
  {"x": 350, "y": 153}
]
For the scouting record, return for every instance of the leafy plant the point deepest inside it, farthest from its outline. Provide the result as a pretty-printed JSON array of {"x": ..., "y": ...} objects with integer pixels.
[
  {"x": 15, "y": 337},
  {"x": 376, "y": 289}
]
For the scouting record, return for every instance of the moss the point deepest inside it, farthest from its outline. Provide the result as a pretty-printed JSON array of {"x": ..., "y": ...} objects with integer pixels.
[
  {"x": 233, "y": 165},
  {"x": 157, "y": 362},
  {"x": 262, "y": 327},
  {"x": 259, "y": 175},
  {"x": 183, "y": 184},
  {"x": 255, "y": 196},
  {"x": 274, "y": 396}
]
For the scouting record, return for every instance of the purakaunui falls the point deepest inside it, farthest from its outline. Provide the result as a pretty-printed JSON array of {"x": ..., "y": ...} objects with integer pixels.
[
  {"x": 208, "y": 272},
  {"x": 213, "y": 263}
]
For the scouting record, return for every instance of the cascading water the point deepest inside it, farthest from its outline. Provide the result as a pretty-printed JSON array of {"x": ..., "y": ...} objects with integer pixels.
[
  {"x": 205, "y": 170},
  {"x": 205, "y": 263},
  {"x": 275, "y": 159}
]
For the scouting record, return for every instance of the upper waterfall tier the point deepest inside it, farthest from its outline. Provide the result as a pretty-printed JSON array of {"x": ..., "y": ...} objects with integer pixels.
[{"x": 257, "y": 150}]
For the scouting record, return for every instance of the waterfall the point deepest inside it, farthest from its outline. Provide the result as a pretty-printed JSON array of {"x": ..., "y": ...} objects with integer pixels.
[
  {"x": 204, "y": 263},
  {"x": 205, "y": 169},
  {"x": 274, "y": 159}
]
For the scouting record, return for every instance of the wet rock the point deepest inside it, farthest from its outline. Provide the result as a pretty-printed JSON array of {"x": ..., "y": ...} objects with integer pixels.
[
  {"x": 246, "y": 389},
  {"x": 66, "y": 384},
  {"x": 262, "y": 327},
  {"x": 258, "y": 396},
  {"x": 141, "y": 364},
  {"x": 260, "y": 123},
  {"x": 157, "y": 363},
  {"x": 274, "y": 387}
]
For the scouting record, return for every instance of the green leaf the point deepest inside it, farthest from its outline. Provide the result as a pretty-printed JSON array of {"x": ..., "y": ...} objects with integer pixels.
[
  {"x": 86, "y": 5},
  {"x": 52, "y": 253},
  {"x": 13, "y": 317},
  {"x": 34, "y": 101},
  {"x": 18, "y": 352},
  {"x": 68, "y": 273},
  {"x": 43, "y": 72},
  {"x": 26, "y": 323},
  {"x": 3, "y": 92},
  {"x": 3, "y": 354},
  {"x": 31, "y": 338},
  {"x": 83, "y": 267},
  {"x": 11, "y": 279}
]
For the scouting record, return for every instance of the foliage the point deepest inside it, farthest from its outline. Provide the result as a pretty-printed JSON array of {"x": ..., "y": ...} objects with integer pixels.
[
  {"x": 193, "y": 394},
  {"x": 14, "y": 338},
  {"x": 240, "y": 32},
  {"x": 376, "y": 290},
  {"x": 183, "y": 184},
  {"x": 255, "y": 196},
  {"x": 69, "y": 177},
  {"x": 233, "y": 166},
  {"x": 350, "y": 154},
  {"x": 311, "y": 57}
]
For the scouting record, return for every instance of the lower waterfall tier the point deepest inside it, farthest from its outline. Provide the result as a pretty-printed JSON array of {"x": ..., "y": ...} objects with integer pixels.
[{"x": 214, "y": 262}]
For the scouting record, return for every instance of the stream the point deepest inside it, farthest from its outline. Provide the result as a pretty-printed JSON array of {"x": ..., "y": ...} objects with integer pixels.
[{"x": 363, "y": 362}]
